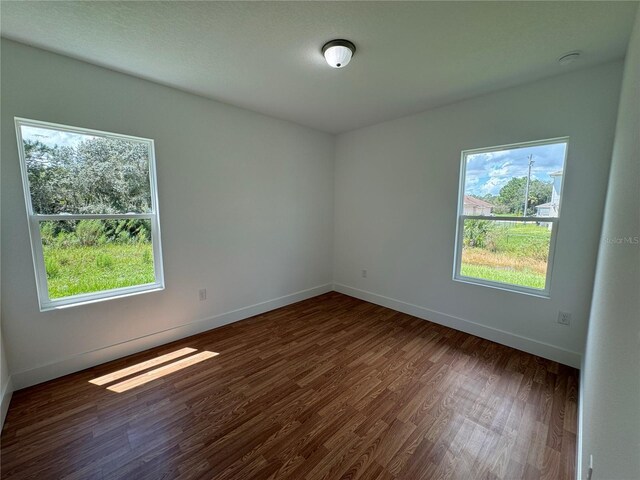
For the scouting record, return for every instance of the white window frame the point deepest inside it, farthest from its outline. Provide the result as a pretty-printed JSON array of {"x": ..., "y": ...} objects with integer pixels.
[
  {"x": 34, "y": 220},
  {"x": 555, "y": 221}
]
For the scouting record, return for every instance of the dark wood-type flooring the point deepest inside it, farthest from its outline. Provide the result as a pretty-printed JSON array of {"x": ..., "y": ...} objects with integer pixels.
[{"x": 328, "y": 388}]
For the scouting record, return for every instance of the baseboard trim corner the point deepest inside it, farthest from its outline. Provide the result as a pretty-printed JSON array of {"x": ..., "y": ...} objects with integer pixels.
[
  {"x": 535, "y": 347},
  {"x": 81, "y": 361},
  {"x": 6, "y": 399}
]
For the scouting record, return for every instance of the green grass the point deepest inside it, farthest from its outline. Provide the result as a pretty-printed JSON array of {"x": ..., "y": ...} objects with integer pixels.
[
  {"x": 528, "y": 240},
  {"x": 525, "y": 278},
  {"x": 514, "y": 254},
  {"x": 74, "y": 270}
]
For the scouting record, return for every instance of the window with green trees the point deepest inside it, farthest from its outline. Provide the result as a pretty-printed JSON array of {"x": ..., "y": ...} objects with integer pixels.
[
  {"x": 91, "y": 203},
  {"x": 508, "y": 214}
]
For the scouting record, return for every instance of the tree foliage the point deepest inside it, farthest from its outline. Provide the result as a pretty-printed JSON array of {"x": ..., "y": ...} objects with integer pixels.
[
  {"x": 98, "y": 175},
  {"x": 511, "y": 196},
  {"x": 477, "y": 233}
]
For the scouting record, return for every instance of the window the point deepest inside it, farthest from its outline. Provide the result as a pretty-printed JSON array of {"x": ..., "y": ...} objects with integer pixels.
[
  {"x": 508, "y": 213},
  {"x": 93, "y": 213}
]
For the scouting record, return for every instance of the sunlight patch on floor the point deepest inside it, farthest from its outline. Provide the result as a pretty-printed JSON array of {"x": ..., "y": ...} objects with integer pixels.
[
  {"x": 154, "y": 374},
  {"x": 138, "y": 367}
]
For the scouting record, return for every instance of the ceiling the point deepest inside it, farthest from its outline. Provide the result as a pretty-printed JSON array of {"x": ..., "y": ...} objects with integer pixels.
[{"x": 265, "y": 56}]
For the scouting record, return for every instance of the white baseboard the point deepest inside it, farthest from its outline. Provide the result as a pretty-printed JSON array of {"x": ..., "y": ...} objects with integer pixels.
[
  {"x": 78, "y": 362},
  {"x": 89, "y": 359},
  {"x": 525, "y": 344},
  {"x": 5, "y": 400}
]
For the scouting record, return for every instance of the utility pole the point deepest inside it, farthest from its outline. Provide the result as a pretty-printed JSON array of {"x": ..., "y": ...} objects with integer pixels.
[{"x": 526, "y": 191}]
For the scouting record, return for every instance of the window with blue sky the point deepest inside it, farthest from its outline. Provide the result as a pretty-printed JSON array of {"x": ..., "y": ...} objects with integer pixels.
[{"x": 509, "y": 206}]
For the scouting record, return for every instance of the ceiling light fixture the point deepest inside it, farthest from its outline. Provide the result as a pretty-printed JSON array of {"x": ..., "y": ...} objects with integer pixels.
[
  {"x": 338, "y": 53},
  {"x": 569, "y": 57}
]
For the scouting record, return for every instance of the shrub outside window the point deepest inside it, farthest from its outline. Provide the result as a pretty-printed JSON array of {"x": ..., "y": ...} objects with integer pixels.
[
  {"x": 508, "y": 213},
  {"x": 91, "y": 200}
]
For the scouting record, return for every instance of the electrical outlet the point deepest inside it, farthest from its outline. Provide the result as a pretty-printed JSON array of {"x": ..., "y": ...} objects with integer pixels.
[
  {"x": 564, "y": 318},
  {"x": 202, "y": 294},
  {"x": 364, "y": 274}
]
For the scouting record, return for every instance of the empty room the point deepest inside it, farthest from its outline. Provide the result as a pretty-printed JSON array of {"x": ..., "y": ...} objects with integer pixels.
[{"x": 320, "y": 240}]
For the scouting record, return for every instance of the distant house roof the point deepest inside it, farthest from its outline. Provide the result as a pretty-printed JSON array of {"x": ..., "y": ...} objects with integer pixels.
[
  {"x": 545, "y": 205},
  {"x": 556, "y": 174},
  {"x": 469, "y": 200}
]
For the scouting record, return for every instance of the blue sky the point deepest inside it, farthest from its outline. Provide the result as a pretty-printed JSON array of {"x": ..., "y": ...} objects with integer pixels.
[{"x": 488, "y": 172}]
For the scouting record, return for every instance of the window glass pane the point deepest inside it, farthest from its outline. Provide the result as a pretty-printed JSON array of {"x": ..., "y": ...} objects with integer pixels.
[
  {"x": 496, "y": 182},
  {"x": 89, "y": 256},
  {"x": 81, "y": 173},
  {"x": 514, "y": 253}
]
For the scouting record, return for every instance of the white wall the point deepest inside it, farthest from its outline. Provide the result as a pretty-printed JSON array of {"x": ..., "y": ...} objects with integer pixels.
[
  {"x": 247, "y": 202},
  {"x": 246, "y": 211},
  {"x": 611, "y": 375},
  {"x": 396, "y": 190},
  {"x": 6, "y": 385}
]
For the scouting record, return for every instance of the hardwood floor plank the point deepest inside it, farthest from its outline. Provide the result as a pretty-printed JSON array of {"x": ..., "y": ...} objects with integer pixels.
[{"x": 328, "y": 388}]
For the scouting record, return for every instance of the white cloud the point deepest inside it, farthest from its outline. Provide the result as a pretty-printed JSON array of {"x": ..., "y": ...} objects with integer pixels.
[
  {"x": 52, "y": 137},
  {"x": 493, "y": 185},
  {"x": 488, "y": 172}
]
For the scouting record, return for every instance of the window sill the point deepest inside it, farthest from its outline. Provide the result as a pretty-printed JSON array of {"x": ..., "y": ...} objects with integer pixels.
[
  {"x": 79, "y": 300},
  {"x": 504, "y": 287}
]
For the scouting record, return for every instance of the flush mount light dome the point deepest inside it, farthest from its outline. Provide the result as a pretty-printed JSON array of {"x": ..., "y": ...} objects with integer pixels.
[{"x": 338, "y": 53}]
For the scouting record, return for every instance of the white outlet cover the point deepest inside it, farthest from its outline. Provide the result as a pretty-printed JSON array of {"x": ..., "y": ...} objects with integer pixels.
[{"x": 564, "y": 318}]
